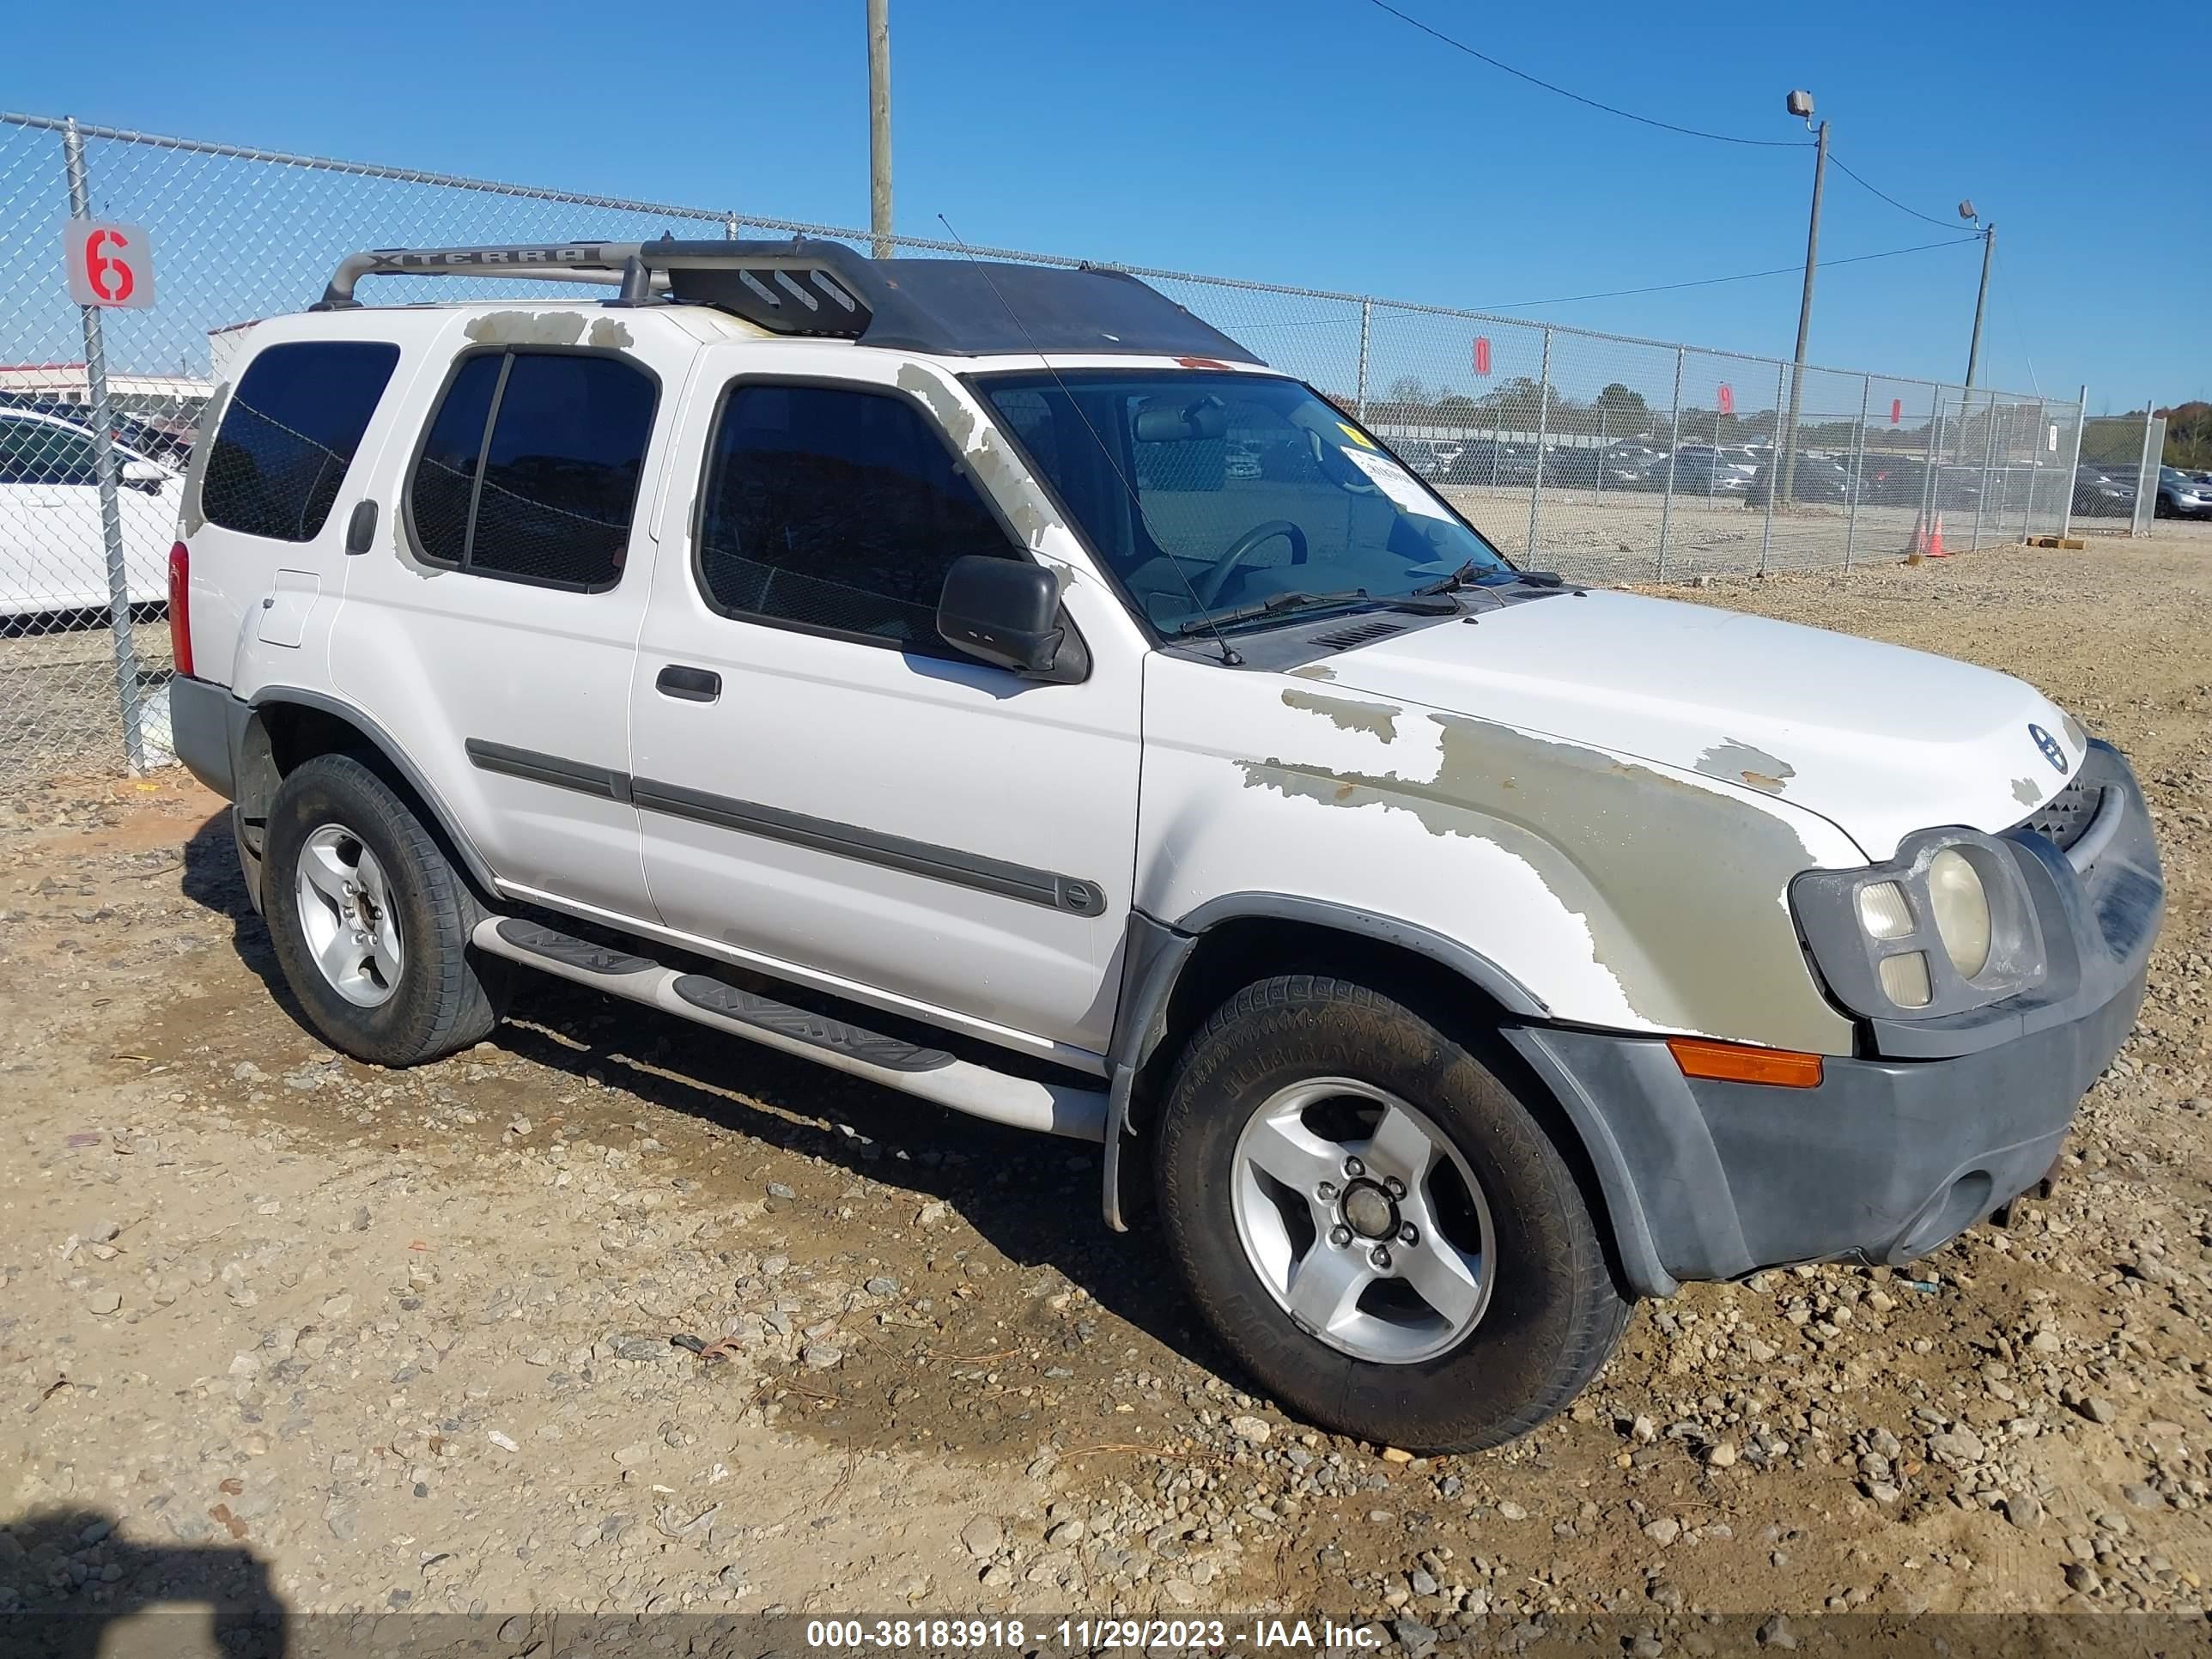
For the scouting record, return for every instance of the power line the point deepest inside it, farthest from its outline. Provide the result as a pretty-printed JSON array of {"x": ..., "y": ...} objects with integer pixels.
[
  {"x": 1626, "y": 115},
  {"x": 1740, "y": 276},
  {"x": 1941, "y": 224}
]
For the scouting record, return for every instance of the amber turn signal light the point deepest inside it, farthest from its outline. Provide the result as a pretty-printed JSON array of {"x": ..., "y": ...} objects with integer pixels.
[{"x": 1737, "y": 1062}]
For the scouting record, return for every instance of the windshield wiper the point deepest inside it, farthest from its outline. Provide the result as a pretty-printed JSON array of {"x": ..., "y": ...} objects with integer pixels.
[
  {"x": 1504, "y": 575},
  {"x": 1300, "y": 601}
]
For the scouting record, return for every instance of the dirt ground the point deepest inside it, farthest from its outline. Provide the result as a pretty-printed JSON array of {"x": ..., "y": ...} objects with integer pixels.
[{"x": 280, "y": 1327}]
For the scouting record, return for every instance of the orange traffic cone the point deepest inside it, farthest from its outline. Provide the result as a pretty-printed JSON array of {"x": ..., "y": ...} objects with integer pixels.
[{"x": 1936, "y": 540}]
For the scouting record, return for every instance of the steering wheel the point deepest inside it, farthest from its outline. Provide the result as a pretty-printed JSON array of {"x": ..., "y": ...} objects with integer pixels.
[{"x": 1211, "y": 584}]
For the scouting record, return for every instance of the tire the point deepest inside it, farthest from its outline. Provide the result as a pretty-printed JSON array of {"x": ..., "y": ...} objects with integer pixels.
[
  {"x": 1551, "y": 1312},
  {"x": 437, "y": 1002}
]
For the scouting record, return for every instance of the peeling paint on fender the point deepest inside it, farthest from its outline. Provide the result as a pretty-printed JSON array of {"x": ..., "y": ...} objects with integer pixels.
[
  {"x": 1379, "y": 718},
  {"x": 2026, "y": 792},
  {"x": 527, "y": 328},
  {"x": 2074, "y": 733},
  {"x": 607, "y": 332},
  {"x": 1694, "y": 947},
  {"x": 1739, "y": 762},
  {"x": 1315, "y": 671}
]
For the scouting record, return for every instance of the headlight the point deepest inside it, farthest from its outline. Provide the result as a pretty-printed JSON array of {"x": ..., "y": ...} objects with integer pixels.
[
  {"x": 1944, "y": 926},
  {"x": 1961, "y": 908}
]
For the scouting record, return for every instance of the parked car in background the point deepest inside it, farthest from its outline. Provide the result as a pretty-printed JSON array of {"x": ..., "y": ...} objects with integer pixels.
[
  {"x": 167, "y": 439},
  {"x": 1815, "y": 478},
  {"x": 2099, "y": 495},
  {"x": 1419, "y": 455},
  {"x": 1888, "y": 480},
  {"x": 1243, "y": 461},
  {"x": 54, "y": 548},
  {"x": 2183, "y": 495},
  {"x": 1701, "y": 469}
]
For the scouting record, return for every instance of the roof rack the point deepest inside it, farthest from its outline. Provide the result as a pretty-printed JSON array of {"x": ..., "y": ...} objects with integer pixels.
[{"x": 807, "y": 287}]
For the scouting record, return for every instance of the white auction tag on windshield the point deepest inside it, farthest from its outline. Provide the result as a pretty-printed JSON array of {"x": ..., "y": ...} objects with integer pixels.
[{"x": 1393, "y": 481}]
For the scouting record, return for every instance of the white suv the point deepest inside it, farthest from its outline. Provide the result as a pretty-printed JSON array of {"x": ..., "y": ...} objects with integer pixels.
[{"x": 885, "y": 663}]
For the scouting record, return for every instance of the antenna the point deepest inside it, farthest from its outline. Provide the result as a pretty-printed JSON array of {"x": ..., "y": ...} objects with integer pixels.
[{"x": 1228, "y": 655}]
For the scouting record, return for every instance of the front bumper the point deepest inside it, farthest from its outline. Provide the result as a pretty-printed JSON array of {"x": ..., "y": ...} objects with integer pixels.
[{"x": 1894, "y": 1153}]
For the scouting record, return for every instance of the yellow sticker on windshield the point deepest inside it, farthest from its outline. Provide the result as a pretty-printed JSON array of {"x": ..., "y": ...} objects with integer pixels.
[{"x": 1355, "y": 434}]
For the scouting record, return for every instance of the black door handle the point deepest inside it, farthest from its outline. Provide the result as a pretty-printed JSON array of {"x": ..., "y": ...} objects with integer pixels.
[{"x": 691, "y": 684}]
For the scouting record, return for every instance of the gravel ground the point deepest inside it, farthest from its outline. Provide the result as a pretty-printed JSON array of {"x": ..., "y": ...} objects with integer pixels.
[{"x": 277, "y": 1324}]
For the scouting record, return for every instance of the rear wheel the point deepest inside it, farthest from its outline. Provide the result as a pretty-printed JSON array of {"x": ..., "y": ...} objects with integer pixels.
[
  {"x": 1376, "y": 1225},
  {"x": 369, "y": 919}
]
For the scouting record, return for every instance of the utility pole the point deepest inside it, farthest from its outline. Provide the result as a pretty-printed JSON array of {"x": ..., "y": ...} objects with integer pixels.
[
  {"x": 1785, "y": 476},
  {"x": 1982, "y": 299},
  {"x": 880, "y": 128}
]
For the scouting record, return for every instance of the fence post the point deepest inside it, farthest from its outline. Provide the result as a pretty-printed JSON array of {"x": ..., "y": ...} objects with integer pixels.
[
  {"x": 1858, "y": 469},
  {"x": 1673, "y": 447},
  {"x": 1989, "y": 458},
  {"x": 1543, "y": 423},
  {"x": 730, "y": 228},
  {"x": 2145, "y": 512},
  {"x": 1366, "y": 324},
  {"x": 1773, "y": 470},
  {"x": 106, "y": 463},
  {"x": 1932, "y": 466},
  {"x": 2034, "y": 468},
  {"x": 1597, "y": 473},
  {"x": 2074, "y": 472}
]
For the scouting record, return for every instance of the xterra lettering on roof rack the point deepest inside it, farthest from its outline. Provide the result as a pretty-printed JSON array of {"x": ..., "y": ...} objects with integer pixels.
[{"x": 952, "y": 307}]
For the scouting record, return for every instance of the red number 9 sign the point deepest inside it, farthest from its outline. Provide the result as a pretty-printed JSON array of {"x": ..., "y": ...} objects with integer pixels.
[{"x": 109, "y": 264}]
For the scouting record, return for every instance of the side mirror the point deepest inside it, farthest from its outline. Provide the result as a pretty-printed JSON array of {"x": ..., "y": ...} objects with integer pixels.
[
  {"x": 142, "y": 475},
  {"x": 1006, "y": 613}
]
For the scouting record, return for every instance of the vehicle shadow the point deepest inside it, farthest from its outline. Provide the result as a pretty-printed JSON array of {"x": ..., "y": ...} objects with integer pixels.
[
  {"x": 81, "y": 1588},
  {"x": 1034, "y": 1197}
]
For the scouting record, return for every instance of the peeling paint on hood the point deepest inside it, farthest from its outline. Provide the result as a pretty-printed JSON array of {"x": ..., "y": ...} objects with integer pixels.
[
  {"x": 1739, "y": 762},
  {"x": 1879, "y": 740}
]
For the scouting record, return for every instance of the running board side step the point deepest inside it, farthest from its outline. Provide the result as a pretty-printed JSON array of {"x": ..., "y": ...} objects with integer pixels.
[{"x": 932, "y": 1074}]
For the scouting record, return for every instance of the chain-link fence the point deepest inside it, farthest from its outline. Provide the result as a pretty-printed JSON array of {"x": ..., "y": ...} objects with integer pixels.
[{"x": 1610, "y": 458}]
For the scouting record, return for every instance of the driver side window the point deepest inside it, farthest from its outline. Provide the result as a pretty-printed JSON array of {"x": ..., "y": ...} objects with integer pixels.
[{"x": 837, "y": 510}]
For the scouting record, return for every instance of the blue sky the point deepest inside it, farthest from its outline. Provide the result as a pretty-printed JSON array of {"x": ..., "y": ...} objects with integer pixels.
[{"x": 1316, "y": 142}]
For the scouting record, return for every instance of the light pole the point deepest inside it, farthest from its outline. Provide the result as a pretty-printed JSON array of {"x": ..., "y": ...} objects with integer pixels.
[
  {"x": 880, "y": 128},
  {"x": 1800, "y": 104},
  {"x": 1981, "y": 299}
]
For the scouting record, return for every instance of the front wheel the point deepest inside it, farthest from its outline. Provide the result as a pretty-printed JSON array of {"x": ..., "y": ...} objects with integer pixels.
[{"x": 1376, "y": 1225}]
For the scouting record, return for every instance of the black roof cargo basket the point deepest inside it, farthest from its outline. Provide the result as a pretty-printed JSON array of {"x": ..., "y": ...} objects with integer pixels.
[{"x": 953, "y": 308}]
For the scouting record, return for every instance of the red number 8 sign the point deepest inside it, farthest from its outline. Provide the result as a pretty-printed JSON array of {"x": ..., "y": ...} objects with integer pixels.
[{"x": 109, "y": 264}]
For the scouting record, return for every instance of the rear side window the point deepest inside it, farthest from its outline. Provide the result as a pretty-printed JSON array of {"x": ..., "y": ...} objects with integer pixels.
[
  {"x": 290, "y": 433},
  {"x": 530, "y": 468},
  {"x": 39, "y": 453},
  {"x": 838, "y": 510}
]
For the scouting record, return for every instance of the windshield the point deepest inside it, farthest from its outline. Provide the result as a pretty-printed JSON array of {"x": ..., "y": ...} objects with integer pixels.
[{"x": 1213, "y": 494}]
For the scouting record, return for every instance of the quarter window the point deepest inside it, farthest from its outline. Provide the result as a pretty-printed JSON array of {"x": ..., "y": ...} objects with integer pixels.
[
  {"x": 531, "y": 466},
  {"x": 290, "y": 433},
  {"x": 836, "y": 509}
]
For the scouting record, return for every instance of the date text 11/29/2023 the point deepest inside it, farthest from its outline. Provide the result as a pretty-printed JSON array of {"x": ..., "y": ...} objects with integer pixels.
[{"x": 1014, "y": 1636}]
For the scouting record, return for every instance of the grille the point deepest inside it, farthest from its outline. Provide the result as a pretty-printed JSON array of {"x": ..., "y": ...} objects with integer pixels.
[
  {"x": 2062, "y": 819},
  {"x": 1344, "y": 639}
]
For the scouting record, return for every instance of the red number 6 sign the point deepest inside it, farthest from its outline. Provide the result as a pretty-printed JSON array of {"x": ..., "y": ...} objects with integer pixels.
[{"x": 109, "y": 264}]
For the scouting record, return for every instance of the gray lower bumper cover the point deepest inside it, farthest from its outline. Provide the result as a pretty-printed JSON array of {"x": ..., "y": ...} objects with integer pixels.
[
  {"x": 1884, "y": 1161},
  {"x": 205, "y": 721}
]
